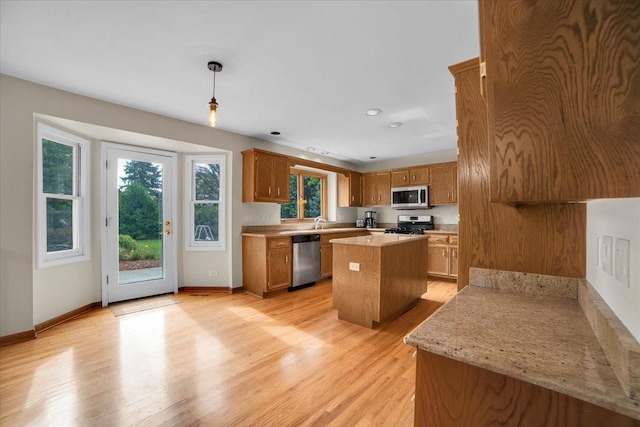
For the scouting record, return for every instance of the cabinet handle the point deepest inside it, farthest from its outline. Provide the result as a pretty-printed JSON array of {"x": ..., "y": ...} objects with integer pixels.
[
  {"x": 269, "y": 190},
  {"x": 278, "y": 192},
  {"x": 444, "y": 253},
  {"x": 352, "y": 198},
  {"x": 286, "y": 259},
  {"x": 454, "y": 253},
  {"x": 483, "y": 75},
  {"x": 414, "y": 177},
  {"x": 404, "y": 178}
]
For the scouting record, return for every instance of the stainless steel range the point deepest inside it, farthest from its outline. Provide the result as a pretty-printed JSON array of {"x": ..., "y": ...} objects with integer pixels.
[{"x": 408, "y": 224}]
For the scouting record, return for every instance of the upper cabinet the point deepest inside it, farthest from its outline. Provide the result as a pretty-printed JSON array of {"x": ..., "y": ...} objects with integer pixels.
[
  {"x": 376, "y": 188},
  {"x": 444, "y": 184},
  {"x": 410, "y": 176},
  {"x": 349, "y": 189},
  {"x": 265, "y": 177},
  {"x": 563, "y": 96}
]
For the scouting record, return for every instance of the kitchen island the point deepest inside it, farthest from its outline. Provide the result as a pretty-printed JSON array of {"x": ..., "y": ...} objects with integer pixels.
[{"x": 378, "y": 277}]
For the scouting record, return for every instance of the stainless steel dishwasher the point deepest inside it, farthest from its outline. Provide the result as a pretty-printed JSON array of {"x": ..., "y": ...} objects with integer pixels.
[{"x": 306, "y": 260}]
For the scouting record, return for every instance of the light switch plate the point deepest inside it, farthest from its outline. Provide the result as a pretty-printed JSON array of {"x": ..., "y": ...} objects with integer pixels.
[
  {"x": 622, "y": 260},
  {"x": 354, "y": 266},
  {"x": 606, "y": 254}
]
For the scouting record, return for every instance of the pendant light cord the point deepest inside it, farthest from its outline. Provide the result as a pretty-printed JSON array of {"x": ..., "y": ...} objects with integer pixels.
[{"x": 214, "y": 85}]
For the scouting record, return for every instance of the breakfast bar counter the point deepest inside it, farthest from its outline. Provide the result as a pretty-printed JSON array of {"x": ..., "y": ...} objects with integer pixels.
[{"x": 378, "y": 277}]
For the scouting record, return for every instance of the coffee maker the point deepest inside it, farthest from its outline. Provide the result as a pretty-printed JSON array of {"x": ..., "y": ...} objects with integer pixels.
[{"x": 370, "y": 219}]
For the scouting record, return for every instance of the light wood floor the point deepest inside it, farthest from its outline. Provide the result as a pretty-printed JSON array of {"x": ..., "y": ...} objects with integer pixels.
[{"x": 217, "y": 360}]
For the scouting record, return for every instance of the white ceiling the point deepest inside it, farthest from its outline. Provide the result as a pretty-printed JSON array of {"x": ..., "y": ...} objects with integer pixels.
[{"x": 309, "y": 69}]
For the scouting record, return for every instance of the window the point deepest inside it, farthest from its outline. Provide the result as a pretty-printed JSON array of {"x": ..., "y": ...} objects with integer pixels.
[
  {"x": 308, "y": 196},
  {"x": 205, "y": 178},
  {"x": 63, "y": 201}
]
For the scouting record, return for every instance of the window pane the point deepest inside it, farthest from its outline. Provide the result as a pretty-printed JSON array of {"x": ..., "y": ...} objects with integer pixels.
[
  {"x": 206, "y": 222},
  {"x": 59, "y": 225},
  {"x": 290, "y": 210},
  {"x": 57, "y": 168},
  {"x": 207, "y": 181},
  {"x": 313, "y": 195}
]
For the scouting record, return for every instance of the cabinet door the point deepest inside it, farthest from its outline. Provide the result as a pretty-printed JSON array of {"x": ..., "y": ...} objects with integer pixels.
[
  {"x": 350, "y": 189},
  {"x": 438, "y": 259},
  {"x": 563, "y": 109},
  {"x": 369, "y": 189},
  {"x": 279, "y": 268},
  {"x": 453, "y": 261},
  {"x": 326, "y": 260},
  {"x": 383, "y": 189},
  {"x": 263, "y": 177},
  {"x": 419, "y": 176},
  {"x": 400, "y": 178},
  {"x": 281, "y": 179},
  {"x": 442, "y": 188}
]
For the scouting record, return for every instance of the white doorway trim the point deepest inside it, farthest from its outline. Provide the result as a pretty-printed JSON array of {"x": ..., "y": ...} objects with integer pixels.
[{"x": 173, "y": 185}]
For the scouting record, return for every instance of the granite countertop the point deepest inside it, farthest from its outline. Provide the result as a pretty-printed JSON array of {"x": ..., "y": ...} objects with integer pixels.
[
  {"x": 544, "y": 340},
  {"x": 378, "y": 240},
  {"x": 280, "y": 233},
  {"x": 277, "y": 233}
]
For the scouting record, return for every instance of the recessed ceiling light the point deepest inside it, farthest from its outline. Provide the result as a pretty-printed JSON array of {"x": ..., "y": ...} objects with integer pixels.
[
  {"x": 275, "y": 132},
  {"x": 324, "y": 152},
  {"x": 373, "y": 111},
  {"x": 394, "y": 125},
  {"x": 373, "y": 157},
  {"x": 310, "y": 149}
]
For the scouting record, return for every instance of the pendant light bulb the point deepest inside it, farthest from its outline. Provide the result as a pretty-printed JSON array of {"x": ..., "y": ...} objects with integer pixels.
[
  {"x": 213, "y": 104},
  {"x": 213, "y": 113}
]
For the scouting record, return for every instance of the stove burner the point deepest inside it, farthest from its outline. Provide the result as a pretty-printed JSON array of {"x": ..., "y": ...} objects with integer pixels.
[{"x": 404, "y": 230}]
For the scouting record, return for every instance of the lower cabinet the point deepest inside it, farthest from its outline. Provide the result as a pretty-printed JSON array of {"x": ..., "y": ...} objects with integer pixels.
[
  {"x": 453, "y": 393},
  {"x": 326, "y": 250},
  {"x": 442, "y": 258},
  {"x": 267, "y": 264}
]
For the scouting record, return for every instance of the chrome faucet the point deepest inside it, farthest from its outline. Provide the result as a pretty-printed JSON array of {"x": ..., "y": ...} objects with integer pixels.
[{"x": 317, "y": 220}]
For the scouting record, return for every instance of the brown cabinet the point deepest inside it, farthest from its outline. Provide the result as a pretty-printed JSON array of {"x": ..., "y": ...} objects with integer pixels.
[
  {"x": 418, "y": 175},
  {"x": 442, "y": 257},
  {"x": 349, "y": 189},
  {"x": 265, "y": 177},
  {"x": 377, "y": 189},
  {"x": 562, "y": 98},
  {"x": 266, "y": 266},
  {"x": 443, "y": 189},
  {"x": 544, "y": 239},
  {"x": 326, "y": 249}
]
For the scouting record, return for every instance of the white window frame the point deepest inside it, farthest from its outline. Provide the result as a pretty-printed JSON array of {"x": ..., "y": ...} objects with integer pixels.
[
  {"x": 80, "y": 196},
  {"x": 190, "y": 182}
]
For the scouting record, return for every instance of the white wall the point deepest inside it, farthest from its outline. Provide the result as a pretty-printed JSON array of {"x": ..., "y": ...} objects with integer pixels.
[
  {"x": 618, "y": 218},
  {"x": 28, "y": 295}
]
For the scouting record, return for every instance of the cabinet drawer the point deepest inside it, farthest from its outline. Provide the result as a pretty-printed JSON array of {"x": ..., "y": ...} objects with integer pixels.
[
  {"x": 453, "y": 240},
  {"x": 279, "y": 242},
  {"x": 438, "y": 238}
]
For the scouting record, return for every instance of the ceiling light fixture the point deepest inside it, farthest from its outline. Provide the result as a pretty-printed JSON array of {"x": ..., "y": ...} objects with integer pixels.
[
  {"x": 310, "y": 149},
  {"x": 275, "y": 132},
  {"x": 213, "y": 104},
  {"x": 394, "y": 125},
  {"x": 324, "y": 153},
  {"x": 373, "y": 112}
]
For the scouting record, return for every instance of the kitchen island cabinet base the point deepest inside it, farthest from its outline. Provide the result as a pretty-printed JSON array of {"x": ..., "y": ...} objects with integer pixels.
[
  {"x": 453, "y": 393},
  {"x": 372, "y": 284}
]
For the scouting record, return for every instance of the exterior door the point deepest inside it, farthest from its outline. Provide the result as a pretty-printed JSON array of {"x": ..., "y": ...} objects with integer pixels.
[{"x": 140, "y": 241}]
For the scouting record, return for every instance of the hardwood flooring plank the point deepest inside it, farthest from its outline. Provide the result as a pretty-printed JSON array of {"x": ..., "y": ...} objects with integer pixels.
[{"x": 222, "y": 359}]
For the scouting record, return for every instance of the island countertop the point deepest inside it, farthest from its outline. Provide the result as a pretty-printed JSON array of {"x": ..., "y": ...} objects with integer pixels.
[
  {"x": 378, "y": 240},
  {"x": 546, "y": 341}
]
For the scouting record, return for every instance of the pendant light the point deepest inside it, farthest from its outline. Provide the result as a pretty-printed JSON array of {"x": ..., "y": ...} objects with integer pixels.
[{"x": 213, "y": 104}]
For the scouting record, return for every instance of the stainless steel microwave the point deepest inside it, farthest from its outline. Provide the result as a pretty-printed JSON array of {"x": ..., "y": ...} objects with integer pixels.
[{"x": 410, "y": 197}]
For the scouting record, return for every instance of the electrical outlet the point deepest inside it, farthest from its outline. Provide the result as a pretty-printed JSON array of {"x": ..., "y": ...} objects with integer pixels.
[
  {"x": 622, "y": 261},
  {"x": 606, "y": 254},
  {"x": 213, "y": 273},
  {"x": 354, "y": 266},
  {"x": 248, "y": 218},
  {"x": 260, "y": 219}
]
